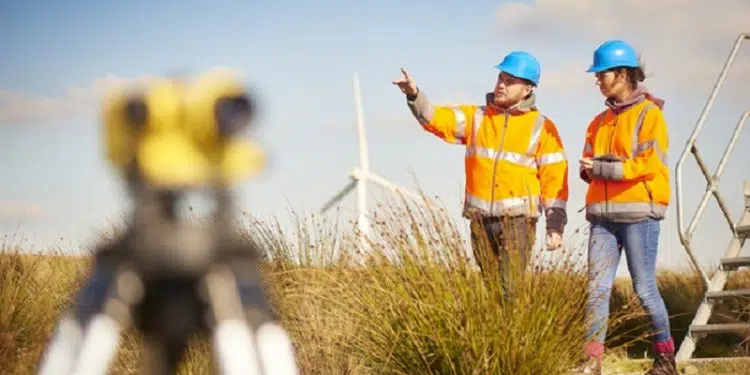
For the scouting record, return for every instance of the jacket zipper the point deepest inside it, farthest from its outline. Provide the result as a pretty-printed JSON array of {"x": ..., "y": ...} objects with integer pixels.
[
  {"x": 494, "y": 164},
  {"x": 609, "y": 151}
]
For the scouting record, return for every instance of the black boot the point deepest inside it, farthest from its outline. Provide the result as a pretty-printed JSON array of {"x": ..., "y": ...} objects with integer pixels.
[{"x": 664, "y": 364}]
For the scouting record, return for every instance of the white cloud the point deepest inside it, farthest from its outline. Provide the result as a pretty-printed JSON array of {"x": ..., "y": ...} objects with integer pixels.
[
  {"x": 684, "y": 43},
  {"x": 23, "y": 210},
  {"x": 18, "y": 107}
]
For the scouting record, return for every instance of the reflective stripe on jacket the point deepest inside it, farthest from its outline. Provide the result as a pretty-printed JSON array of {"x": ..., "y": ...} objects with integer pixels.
[
  {"x": 635, "y": 186},
  {"x": 515, "y": 163}
]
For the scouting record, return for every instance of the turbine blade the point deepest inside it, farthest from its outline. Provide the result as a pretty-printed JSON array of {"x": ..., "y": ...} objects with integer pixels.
[
  {"x": 343, "y": 192},
  {"x": 382, "y": 181}
]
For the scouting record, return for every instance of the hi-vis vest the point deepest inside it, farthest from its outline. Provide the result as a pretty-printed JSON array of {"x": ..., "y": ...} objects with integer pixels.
[
  {"x": 639, "y": 136},
  {"x": 515, "y": 164}
]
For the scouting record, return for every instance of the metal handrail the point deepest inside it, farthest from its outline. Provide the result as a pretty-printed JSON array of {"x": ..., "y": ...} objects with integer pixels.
[{"x": 712, "y": 181}]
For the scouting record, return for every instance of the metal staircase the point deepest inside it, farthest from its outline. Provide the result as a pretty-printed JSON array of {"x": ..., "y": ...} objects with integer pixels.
[{"x": 740, "y": 231}]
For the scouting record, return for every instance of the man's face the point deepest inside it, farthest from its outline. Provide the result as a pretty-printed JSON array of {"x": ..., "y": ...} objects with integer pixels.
[{"x": 509, "y": 90}]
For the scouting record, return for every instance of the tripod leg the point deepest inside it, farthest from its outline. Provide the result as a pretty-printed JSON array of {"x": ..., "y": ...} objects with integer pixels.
[
  {"x": 276, "y": 350},
  {"x": 63, "y": 348},
  {"x": 101, "y": 340},
  {"x": 234, "y": 348},
  {"x": 232, "y": 336},
  {"x": 271, "y": 345},
  {"x": 99, "y": 346}
]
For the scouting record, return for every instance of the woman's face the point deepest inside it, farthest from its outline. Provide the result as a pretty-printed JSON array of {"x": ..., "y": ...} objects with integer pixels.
[{"x": 610, "y": 83}]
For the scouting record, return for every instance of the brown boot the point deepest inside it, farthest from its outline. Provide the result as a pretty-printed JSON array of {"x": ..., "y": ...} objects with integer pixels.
[
  {"x": 664, "y": 364},
  {"x": 591, "y": 366}
]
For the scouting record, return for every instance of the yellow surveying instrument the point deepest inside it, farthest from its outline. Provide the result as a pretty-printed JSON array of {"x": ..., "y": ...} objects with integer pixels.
[{"x": 163, "y": 276}]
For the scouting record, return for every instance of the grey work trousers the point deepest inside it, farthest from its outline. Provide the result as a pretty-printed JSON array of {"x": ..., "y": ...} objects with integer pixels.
[{"x": 502, "y": 247}]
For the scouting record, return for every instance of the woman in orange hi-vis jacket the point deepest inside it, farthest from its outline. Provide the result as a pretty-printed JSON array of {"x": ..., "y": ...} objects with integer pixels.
[
  {"x": 624, "y": 163},
  {"x": 515, "y": 164}
]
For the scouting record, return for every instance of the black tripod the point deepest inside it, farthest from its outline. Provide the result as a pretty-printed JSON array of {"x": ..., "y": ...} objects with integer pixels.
[{"x": 169, "y": 280}]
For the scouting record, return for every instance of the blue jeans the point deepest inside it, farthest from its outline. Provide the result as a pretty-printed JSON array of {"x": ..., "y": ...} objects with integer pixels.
[{"x": 640, "y": 241}]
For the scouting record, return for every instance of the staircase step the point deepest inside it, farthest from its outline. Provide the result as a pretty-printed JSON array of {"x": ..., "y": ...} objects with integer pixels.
[
  {"x": 743, "y": 230},
  {"x": 734, "y": 263},
  {"x": 726, "y": 294},
  {"x": 708, "y": 329}
]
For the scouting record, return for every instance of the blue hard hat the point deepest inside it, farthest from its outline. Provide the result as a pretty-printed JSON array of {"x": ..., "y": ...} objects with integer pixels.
[
  {"x": 612, "y": 54},
  {"x": 522, "y": 65}
]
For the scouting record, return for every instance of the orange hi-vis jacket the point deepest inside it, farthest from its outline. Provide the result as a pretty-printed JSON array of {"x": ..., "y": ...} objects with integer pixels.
[
  {"x": 630, "y": 178},
  {"x": 515, "y": 163}
]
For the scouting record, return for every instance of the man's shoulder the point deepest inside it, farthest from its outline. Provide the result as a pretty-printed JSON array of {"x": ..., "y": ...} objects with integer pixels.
[{"x": 541, "y": 116}]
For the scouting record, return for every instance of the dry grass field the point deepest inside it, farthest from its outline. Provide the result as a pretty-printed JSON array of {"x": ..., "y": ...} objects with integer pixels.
[{"x": 419, "y": 306}]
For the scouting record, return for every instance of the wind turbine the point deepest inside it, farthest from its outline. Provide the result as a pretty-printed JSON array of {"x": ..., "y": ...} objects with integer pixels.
[{"x": 360, "y": 174}]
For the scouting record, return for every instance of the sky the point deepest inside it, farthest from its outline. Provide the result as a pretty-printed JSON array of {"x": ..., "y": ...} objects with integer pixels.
[{"x": 300, "y": 58}]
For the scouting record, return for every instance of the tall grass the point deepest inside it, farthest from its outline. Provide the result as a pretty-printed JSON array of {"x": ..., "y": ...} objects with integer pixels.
[{"x": 413, "y": 303}]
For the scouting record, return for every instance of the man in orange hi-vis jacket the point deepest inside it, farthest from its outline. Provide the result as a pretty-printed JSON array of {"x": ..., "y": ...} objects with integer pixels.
[{"x": 515, "y": 163}]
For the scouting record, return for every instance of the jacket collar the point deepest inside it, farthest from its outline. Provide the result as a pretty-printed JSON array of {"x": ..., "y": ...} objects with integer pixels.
[{"x": 638, "y": 96}]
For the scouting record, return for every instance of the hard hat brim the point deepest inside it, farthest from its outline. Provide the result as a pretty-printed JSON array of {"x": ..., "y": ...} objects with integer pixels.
[
  {"x": 171, "y": 160},
  {"x": 505, "y": 69},
  {"x": 601, "y": 68},
  {"x": 595, "y": 69}
]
